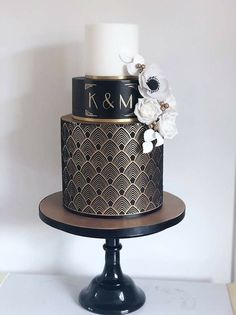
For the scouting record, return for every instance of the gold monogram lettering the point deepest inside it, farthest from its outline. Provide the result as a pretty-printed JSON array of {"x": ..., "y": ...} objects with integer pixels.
[
  {"x": 129, "y": 103},
  {"x": 92, "y": 100},
  {"x": 107, "y": 103}
]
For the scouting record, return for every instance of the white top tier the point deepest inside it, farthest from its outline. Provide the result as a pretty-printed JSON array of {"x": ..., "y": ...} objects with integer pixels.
[{"x": 104, "y": 43}]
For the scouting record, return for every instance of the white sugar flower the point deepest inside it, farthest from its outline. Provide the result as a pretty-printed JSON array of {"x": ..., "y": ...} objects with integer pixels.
[
  {"x": 147, "y": 111},
  {"x": 153, "y": 84},
  {"x": 132, "y": 62},
  {"x": 157, "y": 108},
  {"x": 149, "y": 136},
  {"x": 166, "y": 125},
  {"x": 132, "y": 66},
  {"x": 171, "y": 101}
]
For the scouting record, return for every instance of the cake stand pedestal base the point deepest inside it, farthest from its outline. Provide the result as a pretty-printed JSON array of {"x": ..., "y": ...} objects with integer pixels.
[{"x": 112, "y": 292}]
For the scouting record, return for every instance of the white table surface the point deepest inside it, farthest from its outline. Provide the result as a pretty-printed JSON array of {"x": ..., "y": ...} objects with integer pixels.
[{"x": 22, "y": 294}]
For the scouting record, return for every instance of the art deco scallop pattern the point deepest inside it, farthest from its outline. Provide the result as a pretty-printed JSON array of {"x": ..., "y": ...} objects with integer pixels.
[{"x": 105, "y": 172}]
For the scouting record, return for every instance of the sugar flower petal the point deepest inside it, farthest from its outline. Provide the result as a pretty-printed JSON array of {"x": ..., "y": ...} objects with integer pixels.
[
  {"x": 160, "y": 140},
  {"x": 149, "y": 135},
  {"x": 138, "y": 59},
  {"x": 132, "y": 66},
  {"x": 171, "y": 101},
  {"x": 125, "y": 57},
  {"x": 132, "y": 69},
  {"x": 147, "y": 146}
]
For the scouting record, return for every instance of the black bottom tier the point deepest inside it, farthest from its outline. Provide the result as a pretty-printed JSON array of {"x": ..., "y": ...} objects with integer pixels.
[{"x": 104, "y": 171}]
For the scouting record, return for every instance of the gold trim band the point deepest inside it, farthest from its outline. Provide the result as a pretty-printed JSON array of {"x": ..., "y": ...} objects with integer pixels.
[
  {"x": 115, "y": 77},
  {"x": 106, "y": 120}
]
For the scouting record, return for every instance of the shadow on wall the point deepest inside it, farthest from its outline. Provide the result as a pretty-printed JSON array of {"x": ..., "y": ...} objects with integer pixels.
[{"x": 40, "y": 81}]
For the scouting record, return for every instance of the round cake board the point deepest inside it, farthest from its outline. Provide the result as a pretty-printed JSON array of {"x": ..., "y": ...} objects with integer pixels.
[{"x": 53, "y": 213}]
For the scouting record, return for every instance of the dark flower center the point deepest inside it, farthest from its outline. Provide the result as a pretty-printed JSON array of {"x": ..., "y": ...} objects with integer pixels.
[{"x": 153, "y": 84}]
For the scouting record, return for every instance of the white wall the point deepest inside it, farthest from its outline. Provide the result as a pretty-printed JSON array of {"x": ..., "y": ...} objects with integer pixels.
[{"x": 40, "y": 51}]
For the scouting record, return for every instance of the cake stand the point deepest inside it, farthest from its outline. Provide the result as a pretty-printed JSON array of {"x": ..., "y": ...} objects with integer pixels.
[{"x": 112, "y": 292}]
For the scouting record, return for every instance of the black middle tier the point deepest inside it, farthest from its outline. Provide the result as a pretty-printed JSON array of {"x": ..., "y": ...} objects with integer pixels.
[{"x": 104, "y": 98}]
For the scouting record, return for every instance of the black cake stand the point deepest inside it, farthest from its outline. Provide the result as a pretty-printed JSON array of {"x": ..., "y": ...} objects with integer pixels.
[{"x": 112, "y": 292}]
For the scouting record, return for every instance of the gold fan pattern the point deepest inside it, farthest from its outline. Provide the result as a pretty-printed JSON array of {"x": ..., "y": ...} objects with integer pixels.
[{"x": 104, "y": 171}]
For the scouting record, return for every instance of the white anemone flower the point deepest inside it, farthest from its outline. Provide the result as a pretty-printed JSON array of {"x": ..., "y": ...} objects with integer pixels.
[{"x": 153, "y": 84}]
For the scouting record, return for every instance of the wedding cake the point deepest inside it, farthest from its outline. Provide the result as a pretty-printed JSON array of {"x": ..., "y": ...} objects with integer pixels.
[{"x": 112, "y": 143}]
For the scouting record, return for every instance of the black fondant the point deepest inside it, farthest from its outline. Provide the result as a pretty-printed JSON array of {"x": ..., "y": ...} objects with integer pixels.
[
  {"x": 104, "y": 99},
  {"x": 124, "y": 175}
]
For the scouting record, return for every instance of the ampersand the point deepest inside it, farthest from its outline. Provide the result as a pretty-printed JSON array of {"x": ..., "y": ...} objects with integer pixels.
[{"x": 107, "y": 103}]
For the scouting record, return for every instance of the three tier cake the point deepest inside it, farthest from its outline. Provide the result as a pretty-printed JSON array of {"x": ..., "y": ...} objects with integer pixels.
[{"x": 110, "y": 167}]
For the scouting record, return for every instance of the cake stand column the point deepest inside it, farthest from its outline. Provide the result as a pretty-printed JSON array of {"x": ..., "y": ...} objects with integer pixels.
[{"x": 112, "y": 292}]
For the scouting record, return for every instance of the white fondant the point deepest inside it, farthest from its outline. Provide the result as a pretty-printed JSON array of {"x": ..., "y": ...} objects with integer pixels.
[{"x": 103, "y": 45}]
